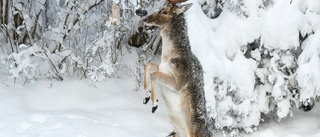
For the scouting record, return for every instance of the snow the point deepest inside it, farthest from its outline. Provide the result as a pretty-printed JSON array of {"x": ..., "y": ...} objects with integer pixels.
[
  {"x": 308, "y": 70},
  {"x": 284, "y": 19},
  {"x": 74, "y": 109},
  {"x": 113, "y": 107},
  {"x": 233, "y": 99}
]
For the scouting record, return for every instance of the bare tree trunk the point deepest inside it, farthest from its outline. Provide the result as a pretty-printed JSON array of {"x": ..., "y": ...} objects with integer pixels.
[
  {"x": 45, "y": 20},
  {"x": 1, "y": 12},
  {"x": 6, "y": 12},
  {"x": 6, "y": 22},
  {"x": 77, "y": 19},
  {"x": 17, "y": 20}
]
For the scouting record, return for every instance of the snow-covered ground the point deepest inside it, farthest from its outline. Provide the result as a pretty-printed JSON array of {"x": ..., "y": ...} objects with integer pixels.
[
  {"x": 114, "y": 109},
  {"x": 73, "y": 108}
]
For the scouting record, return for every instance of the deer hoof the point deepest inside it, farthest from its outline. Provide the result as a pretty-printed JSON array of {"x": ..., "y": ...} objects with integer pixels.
[
  {"x": 172, "y": 134},
  {"x": 147, "y": 97},
  {"x": 146, "y": 100},
  {"x": 154, "y": 108}
]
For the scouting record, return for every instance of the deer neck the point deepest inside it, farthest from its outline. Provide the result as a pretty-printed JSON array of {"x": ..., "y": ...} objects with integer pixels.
[
  {"x": 167, "y": 45},
  {"x": 175, "y": 37}
]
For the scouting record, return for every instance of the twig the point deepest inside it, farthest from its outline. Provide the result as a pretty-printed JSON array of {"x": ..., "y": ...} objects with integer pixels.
[{"x": 54, "y": 66}]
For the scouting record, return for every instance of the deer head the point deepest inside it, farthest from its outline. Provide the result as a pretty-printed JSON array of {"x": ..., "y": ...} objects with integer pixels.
[{"x": 161, "y": 17}]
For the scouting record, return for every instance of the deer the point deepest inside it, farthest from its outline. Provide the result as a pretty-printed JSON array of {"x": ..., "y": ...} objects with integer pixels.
[{"x": 179, "y": 76}]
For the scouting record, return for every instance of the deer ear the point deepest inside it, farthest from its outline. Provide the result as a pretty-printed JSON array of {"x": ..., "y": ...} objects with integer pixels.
[{"x": 182, "y": 8}]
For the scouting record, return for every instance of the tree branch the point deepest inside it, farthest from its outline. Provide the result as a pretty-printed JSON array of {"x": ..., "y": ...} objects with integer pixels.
[{"x": 77, "y": 20}]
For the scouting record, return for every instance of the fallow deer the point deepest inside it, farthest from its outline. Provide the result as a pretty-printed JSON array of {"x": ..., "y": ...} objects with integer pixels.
[{"x": 179, "y": 75}]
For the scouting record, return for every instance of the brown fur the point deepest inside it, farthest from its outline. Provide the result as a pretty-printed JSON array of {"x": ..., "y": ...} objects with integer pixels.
[{"x": 179, "y": 75}]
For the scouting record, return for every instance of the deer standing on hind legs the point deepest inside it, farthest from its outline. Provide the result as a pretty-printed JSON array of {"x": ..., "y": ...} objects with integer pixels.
[{"x": 179, "y": 75}]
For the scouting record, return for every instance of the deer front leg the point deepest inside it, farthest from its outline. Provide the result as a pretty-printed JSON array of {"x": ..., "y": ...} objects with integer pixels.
[
  {"x": 163, "y": 79},
  {"x": 148, "y": 70}
]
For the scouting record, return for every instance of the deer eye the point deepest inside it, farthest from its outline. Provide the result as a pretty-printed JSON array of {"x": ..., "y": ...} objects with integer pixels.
[{"x": 164, "y": 12}]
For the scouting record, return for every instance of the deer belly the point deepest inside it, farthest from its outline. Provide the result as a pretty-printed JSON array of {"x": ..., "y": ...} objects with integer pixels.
[{"x": 176, "y": 112}]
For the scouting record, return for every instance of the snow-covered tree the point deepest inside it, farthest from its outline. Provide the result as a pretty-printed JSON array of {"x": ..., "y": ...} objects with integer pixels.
[
  {"x": 270, "y": 60},
  {"x": 260, "y": 57},
  {"x": 71, "y": 38}
]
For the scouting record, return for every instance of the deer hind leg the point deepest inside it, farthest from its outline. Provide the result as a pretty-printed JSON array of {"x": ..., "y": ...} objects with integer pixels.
[
  {"x": 148, "y": 70},
  {"x": 172, "y": 134},
  {"x": 163, "y": 79}
]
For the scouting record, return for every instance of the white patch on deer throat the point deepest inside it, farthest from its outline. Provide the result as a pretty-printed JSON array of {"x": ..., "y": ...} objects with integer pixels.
[{"x": 167, "y": 54}]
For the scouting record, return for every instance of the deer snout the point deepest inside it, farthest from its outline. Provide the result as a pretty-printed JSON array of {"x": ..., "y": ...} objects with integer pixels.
[
  {"x": 151, "y": 19},
  {"x": 148, "y": 20}
]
